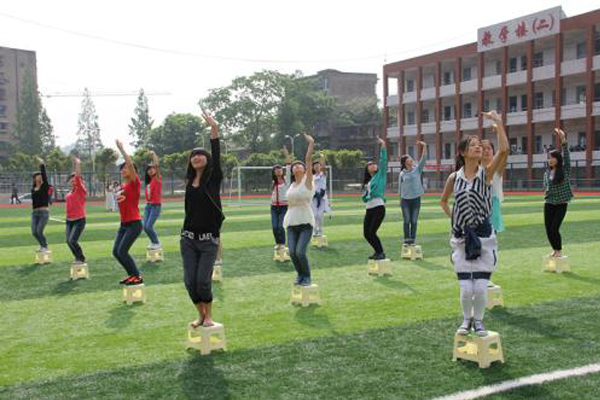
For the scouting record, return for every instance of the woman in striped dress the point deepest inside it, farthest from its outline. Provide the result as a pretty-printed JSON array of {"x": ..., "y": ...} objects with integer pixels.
[{"x": 473, "y": 241}]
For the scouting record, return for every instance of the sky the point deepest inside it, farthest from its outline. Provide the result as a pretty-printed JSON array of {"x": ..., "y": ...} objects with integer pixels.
[{"x": 184, "y": 48}]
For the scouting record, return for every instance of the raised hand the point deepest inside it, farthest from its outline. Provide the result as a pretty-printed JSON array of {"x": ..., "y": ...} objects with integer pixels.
[
  {"x": 39, "y": 160},
  {"x": 119, "y": 144},
  {"x": 493, "y": 115},
  {"x": 421, "y": 143},
  {"x": 381, "y": 141},
  {"x": 561, "y": 134},
  {"x": 309, "y": 138}
]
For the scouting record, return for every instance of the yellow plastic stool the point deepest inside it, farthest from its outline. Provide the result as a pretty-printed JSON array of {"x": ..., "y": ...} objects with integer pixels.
[
  {"x": 305, "y": 295},
  {"x": 217, "y": 275},
  {"x": 379, "y": 267},
  {"x": 134, "y": 294},
  {"x": 319, "y": 241},
  {"x": 206, "y": 339},
  {"x": 555, "y": 264},
  {"x": 155, "y": 255},
  {"x": 79, "y": 271},
  {"x": 482, "y": 350},
  {"x": 494, "y": 297},
  {"x": 412, "y": 252},
  {"x": 43, "y": 257},
  {"x": 282, "y": 255}
]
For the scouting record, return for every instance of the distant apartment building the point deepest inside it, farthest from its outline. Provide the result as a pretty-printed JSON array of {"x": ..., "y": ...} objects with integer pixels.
[
  {"x": 539, "y": 71},
  {"x": 353, "y": 90},
  {"x": 14, "y": 63}
]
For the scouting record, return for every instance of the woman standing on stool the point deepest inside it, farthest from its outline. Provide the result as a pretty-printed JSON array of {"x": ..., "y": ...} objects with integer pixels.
[
  {"x": 473, "y": 241},
  {"x": 411, "y": 190},
  {"x": 131, "y": 222},
  {"x": 279, "y": 201},
  {"x": 558, "y": 194},
  {"x": 153, "y": 194},
  {"x": 202, "y": 225},
  {"x": 374, "y": 197},
  {"x": 320, "y": 201},
  {"x": 40, "y": 199},
  {"x": 299, "y": 219},
  {"x": 75, "y": 210}
]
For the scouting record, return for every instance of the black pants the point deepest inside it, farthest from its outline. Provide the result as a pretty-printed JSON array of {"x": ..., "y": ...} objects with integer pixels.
[
  {"x": 373, "y": 219},
  {"x": 74, "y": 230},
  {"x": 553, "y": 218},
  {"x": 198, "y": 262},
  {"x": 126, "y": 236}
]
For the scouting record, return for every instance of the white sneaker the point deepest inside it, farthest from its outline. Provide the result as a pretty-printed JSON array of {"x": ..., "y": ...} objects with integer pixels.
[
  {"x": 276, "y": 247},
  {"x": 465, "y": 327},
  {"x": 218, "y": 262},
  {"x": 43, "y": 249},
  {"x": 156, "y": 246},
  {"x": 479, "y": 329}
]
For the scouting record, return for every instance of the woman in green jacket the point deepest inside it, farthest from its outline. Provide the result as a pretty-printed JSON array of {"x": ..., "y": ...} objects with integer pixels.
[{"x": 374, "y": 197}]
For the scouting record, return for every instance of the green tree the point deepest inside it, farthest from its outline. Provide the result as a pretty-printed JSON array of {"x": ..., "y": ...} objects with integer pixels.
[
  {"x": 141, "y": 158},
  {"x": 27, "y": 128},
  {"x": 247, "y": 109},
  {"x": 141, "y": 123},
  {"x": 21, "y": 162},
  {"x": 46, "y": 132},
  {"x": 178, "y": 132},
  {"x": 88, "y": 130},
  {"x": 56, "y": 160},
  {"x": 105, "y": 162}
]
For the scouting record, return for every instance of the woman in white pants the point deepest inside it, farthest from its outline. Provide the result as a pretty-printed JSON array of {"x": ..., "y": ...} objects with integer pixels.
[{"x": 320, "y": 201}]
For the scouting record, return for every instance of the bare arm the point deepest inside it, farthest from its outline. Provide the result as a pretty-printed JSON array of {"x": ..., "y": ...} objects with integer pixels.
[
  {"x": 502, "y": 153},
  {"x": 288, "y": 159},
  {"x": 214, "y": 127},
  {"x": 127, "y": 158},
  {"x": 448, "y": 189},
  {"x": 423, "y": 150},
  {"x": 323, "y": 161},
  {"x": 308, "y": 161},
  {"x": 155, "y": 161},
  {"x": 76, "y": 166}
]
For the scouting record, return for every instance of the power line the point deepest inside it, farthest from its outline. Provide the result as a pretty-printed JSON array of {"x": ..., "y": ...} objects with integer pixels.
[
  {"x": 225, "y": 58},
  {"x": 103, "y": 94}
]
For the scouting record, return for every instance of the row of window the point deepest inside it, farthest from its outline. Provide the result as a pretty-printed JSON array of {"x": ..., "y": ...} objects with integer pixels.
[
  {"x": 3, "y": 109},
  {"x": 4, "y": 126},
  {"x": 513, "y": 65}
]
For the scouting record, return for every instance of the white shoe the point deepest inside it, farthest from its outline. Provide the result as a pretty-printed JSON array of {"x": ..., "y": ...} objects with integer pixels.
[
  {"x": 154, "y": 246},
  {"x": 478, "y": 328},
  {"x": 218, "y": 262},
  {"x": 43, "y": 249},
  {"x": 276, "y": 247},
  {"x": 465, "y": 327}
]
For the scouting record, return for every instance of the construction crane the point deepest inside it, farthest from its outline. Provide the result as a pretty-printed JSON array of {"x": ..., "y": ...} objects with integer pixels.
[{"x": 104, "y": 94}]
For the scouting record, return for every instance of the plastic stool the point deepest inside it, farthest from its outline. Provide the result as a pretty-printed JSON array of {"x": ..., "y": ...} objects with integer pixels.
[
  {"x": 379, "y": 267},
  {"x": 305, "y": 295},
  {"x": 555, "y": 264},
  {"x": 319, "y": 241},
  {"x": 79, "y": 270},
  {"x": 155, "y": 255},
  {"x": 217, "y": 275},
  {"x": 282, "y": 255},
  {"x": 206, "y": 339},
  {"x": 134, "y": 294},
  {"x": 412, "y": 252},
  {"x": 482, "y": 350},
  {"x": 43, "y": 257},
  {"x": 494, "y": 297}
]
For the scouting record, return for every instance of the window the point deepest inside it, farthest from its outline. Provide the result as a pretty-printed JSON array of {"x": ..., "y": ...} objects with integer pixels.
[
  {"x": 448, "y": 150},
  {"x": 580, "y": 95},
  {"x": 538, "y": 100},
  {"x": 597, "y": 92},
  {"x": 486, "y": 105},
  {"x": 596, "y": 44},
  {"x": 581, "y": 50},
  {"x": 512, "y": 104},
  {"x": 410, "y": 85},
  {"x": 513, "y": 145},
  {"x": 1, "y": 61},
  {"x": 581, "y": 142},
  {"x": 447, "y": 78},
  {"x": 410, "y": 118},
  {"x": 499, "y": 105},
  {"x": 498, "y": 67},
  {"x": 596, "y": 140},
  {"x": 563, "y": 97},
  {"x": 467, "y": 112},
  {"x": 512, "y": 65},
  {"x": 538, "y": 59},
  {"x": 411, "y": 151},
  {"x": 447, "y": 113},
  {"x": 466, "y": 74},
  {"x": 538, "y": 145},
  {"x": 425, "y": 116},
  {"x": 2, "y": 110},
  {"x": 523, "y": 102},
  {"x": 523, "y": 63},
  {"x": 2, "y": 94},
  {"x": 523, "y": 149},
  {"x": 3, "y": 126}
]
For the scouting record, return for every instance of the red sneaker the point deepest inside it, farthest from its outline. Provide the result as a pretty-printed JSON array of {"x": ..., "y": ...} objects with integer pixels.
[{"x": 134, "y": 280}]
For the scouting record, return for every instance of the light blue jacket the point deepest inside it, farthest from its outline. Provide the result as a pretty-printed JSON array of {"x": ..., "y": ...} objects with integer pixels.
[{"x": 409, "y": 182}]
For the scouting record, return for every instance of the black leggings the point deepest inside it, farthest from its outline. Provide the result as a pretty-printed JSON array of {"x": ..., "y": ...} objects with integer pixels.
[
  {"x": 373, "y": 219},
  {"x": 553, "y": 218}
]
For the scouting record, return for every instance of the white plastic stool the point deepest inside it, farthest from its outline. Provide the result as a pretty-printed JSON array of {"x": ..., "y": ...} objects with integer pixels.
[
  {"x": 79, "y": 270},
  {"x": 217, "y": 275},
  {"x": 319, "y": 241},
  {"x": 379, "y": 267},
  {"x": 281, "y": 255},
  {"x": 155, "y": 255},
  {"x": 43, "y": 257},
  {"x": 494, "y": 297},
  {"x": 482, "y": 350},
  {"x": 305, "y": 295},
  {"x": 556, "y": 264},
  {"x": 412, "y": 252},
  {"x": 206, "y": 339},
  {"x": 134, "y": 294}
]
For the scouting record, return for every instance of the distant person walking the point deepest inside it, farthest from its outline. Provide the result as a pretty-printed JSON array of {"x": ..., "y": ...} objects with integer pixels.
[{"x": 14, "y": 197}]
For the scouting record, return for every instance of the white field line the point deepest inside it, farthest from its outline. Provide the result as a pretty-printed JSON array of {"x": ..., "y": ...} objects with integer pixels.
[{"x": 526, "y": 381}]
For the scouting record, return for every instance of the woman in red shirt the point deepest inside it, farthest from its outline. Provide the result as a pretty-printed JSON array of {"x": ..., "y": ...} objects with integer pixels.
[
  {"x": 153, "y": 194},
  {"x": 131, "y": 224},
  {"x": 75, "y": 208}
]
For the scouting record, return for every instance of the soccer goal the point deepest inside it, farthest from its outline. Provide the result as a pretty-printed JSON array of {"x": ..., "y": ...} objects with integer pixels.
[{"x": 254, "y": 185}]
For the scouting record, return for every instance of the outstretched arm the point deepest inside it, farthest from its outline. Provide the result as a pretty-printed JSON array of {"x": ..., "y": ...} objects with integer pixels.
[
  {"x": 565, "y": 151},
  {"x": 382, "y": 165},
  {"x": 215, "y": 145},
  {"x": 308, "y": 160},
  {"x": 448, "y": 188},
  {"x": 288, "y": 162},
  {"x": 423, "y": 150},
  {"x": 502, "y": 153},
  {"x": 77, "y": 169},
  {"x": 127, "y": 158}
]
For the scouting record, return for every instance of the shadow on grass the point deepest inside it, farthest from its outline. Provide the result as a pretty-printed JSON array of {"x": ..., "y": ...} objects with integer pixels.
[
  {"x": 29, "y": 269},
  {"x": 120, "y": 317},
  {"x": 199, "y": 378},
  {"x": 306, "y": 316},
  {"x": 429, "y": 265},
  {"x": 394, "y": 284},
  {"x": 65, "y": 287},
  {"x": 530, "y": 324},
  {"x": 580, "y": 278}
]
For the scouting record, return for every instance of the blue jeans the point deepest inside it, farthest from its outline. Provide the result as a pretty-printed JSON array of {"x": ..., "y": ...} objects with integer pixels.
[
  {"x": 126, "y": 236},
  {"x": 39, "y": 219},
  {"x": 298, "y": 240},
  {"x": 73, "y": 232},
  {"x": 277, "y": 214},
  {"x": 410, "y": 215},
  {"x": 151, "y": 214}
]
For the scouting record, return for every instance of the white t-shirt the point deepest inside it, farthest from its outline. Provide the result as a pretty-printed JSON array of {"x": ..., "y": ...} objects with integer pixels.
[{"x": 299, "y": 211}]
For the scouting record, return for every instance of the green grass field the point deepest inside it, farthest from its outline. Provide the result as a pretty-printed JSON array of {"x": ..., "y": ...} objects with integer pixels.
[{"x": 371, "y": 338}]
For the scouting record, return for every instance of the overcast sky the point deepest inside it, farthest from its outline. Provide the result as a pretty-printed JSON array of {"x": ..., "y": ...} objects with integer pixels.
[{"x": 209, "y": 43}]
